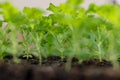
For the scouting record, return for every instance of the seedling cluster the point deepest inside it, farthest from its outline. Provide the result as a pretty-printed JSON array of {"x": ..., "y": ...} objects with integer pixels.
[{"x": 69, "y": 31}]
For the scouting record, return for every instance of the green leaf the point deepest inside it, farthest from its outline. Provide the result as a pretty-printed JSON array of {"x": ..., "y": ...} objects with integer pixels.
[
  {"x": 33, "y": 13},
  {"x": 53, "y": 8},
  {"x": 9, "y": 12},
  {"x": 74, "y": 3}
]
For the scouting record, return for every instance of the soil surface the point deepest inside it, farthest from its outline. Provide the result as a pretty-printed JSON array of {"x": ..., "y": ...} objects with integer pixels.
[{"x": 53, "y": 68}]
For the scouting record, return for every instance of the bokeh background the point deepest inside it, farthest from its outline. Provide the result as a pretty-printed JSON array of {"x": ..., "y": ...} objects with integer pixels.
[{"x": 43, "y": 4}]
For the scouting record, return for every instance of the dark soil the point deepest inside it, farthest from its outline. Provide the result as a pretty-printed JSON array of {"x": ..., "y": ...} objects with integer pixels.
[{"x": 53, "y": 68}]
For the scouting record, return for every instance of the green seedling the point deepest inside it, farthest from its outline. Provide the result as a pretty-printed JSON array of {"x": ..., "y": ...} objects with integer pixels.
[{"x": 69, "y": 31}]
